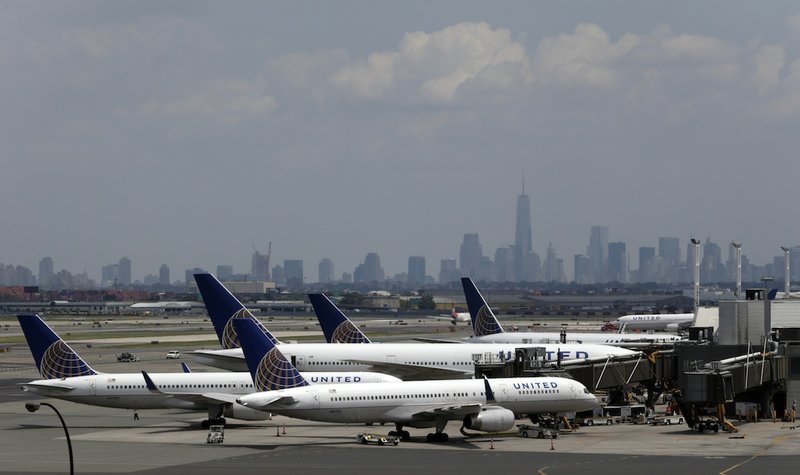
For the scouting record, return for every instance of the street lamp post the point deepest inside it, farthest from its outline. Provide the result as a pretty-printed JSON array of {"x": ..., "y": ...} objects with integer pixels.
[
  {"x": 696, "y": 276},
  {"x": 34, "y": 406},
  {"x": 786, "y": 279}
]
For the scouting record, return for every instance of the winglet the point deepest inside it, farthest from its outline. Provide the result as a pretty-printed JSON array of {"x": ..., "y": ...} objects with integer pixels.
[
  {"x": 151, "y": 386},
  {"x": 335, "y": 324},
  {"x": 269, "y": 369},
  {"x": 53, "y": 356},
  {"x": 489, "y": 392},
  {"x": 483, "y": 320},
  {"x": 223, "y": 307},
  {"x": 185, "y": 367}
]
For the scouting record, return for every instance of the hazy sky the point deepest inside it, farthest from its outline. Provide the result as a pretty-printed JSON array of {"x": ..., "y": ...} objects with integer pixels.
[{"x": 184, "y": 132}]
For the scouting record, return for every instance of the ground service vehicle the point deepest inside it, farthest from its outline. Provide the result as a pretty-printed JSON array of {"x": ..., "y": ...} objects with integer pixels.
[
  {"x": 377, "y": 439},
  {"x": 529, "y": 431}
]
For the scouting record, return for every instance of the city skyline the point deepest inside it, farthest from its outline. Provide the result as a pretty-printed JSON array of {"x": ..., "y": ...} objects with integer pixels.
[{"x": 187, "y": 133}]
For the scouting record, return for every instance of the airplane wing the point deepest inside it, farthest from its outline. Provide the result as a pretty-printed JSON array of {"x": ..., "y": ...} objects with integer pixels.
[
  {"x": 408, "y": 372},
  {"x": 435, "y": 340},
  {"x": 451, "y": 411}
]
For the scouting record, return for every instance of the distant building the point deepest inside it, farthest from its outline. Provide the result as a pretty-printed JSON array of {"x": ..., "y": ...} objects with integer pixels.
[
  {"x": 647, "y": 256},
  {"x": 188, "y": 276},
  {"x": 523, "y": 240},
  {"x": 471, "y": 257},
  {"x": 293, "y": 272},
  {"x": 224, "y": 272},
  {"x": 598, "y": 247},
  {"x": 109, "y": 275},
  {"x": 504, "y": 264},
  {"x": 46, "y": 273},
  {"x": 448, "y": 271},
  {"x": 125, "y": 272},
  {"x": 163, "y": 275},
  {"x": 583, "y": 269},
  {"x": 259, "y": 267},
  {"x": 617, "y": 262},
  {"x": 370, "y": 270},
  {"x": 326, "y": 270},
  {"x": 416, "y": 270}
]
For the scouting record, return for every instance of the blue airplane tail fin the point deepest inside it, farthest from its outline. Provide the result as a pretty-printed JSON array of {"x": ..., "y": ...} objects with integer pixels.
[
  {"x": 223, "y": 308},
  {"x": 335, "y": 325},
  {"x": 483, "y": 320},
  {"x": 268, "y": 367},
  {"x": 54, "y": 357}
]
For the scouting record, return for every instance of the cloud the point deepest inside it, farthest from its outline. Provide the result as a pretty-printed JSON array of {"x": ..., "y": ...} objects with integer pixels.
[
  {"x": 434, "y": 66},
  {"x": 769, "y": 61},
  {"x": 586, "y": 57},
  {"x": 224, "y": 100},
  {"x": 697, "y": 47}
]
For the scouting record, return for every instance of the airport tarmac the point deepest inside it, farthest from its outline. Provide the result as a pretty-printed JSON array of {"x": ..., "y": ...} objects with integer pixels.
[{"x": 168, "y": 441}]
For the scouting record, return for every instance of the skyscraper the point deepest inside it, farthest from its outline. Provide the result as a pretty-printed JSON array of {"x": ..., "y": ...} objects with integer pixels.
[
  {"x": 370, "y": 270},
  {"x": 45, "y": 271},
  {"x": 448, "y": 271},
  {"x": 293, "y": 272},
  {"x": 416, "y": 270},
  {"x": 523, "y": 241},
  {"x": 259, "y": 270},
  {"x": 163, "y": 275},
  {"x": 125, "y": 274},
  {"x": 597, "y": 251},
  {"x": 617, "y": 262},
  {"x": 325, "y": 270},
  {"x": 471, "y": 256}
]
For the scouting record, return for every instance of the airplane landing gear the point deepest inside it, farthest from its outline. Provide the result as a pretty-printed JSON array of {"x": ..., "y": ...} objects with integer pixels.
[
  {"x": 438, "y": 437},
  {"x": 399, "y": 432}
]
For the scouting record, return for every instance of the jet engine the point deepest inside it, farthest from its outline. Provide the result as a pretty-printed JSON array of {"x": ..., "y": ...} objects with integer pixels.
[
  {"x": 673, "y": 327},
  {"x": 490, "y": 419},
  {"x": 237, "y": 411}
]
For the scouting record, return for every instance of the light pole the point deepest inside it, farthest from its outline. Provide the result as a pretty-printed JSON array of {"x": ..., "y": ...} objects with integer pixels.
[
  {"x": 34, "y": 406},
  {"x": 696, "y": 279},
  {"x": 738, "y": 247},
  {"x": 786, "y": 279}
]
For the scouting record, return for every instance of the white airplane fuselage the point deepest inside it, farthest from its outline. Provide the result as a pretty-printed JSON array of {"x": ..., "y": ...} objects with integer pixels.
[
  {"x": 129, "y": 391},
  {"x": 450, "y": 361},
  {"x": 654, "y": 322},
  {"x": 414, "y": 403},
  {"x": 613, "y": 339}
]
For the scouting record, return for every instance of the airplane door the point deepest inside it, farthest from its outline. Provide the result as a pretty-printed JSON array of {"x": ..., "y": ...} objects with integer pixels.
[
  {"x": 506, "y": 394},
  {"x": 299, "y": 362},
  {"x": 315, "y": 398},
  {"x": 92, "y": 389}
]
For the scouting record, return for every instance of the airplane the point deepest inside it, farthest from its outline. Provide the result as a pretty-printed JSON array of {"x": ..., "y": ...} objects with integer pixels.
[
  {"x": 482, "y": 405},
  {"x": 67, "y": 376},
  {"x": 455, "y": 317},
  {"x": 654, "y": 322},
  {"x": 404, "y": 360},
  {"x": 487, "y": 328},
  {"x": 335, "y": 325}
]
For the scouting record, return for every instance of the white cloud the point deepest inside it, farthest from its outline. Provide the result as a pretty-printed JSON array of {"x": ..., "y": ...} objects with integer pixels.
[
  {"x": 224, "y": 100},
  {"x": 769, "y": 61},
  {"x": 585, "y": 57},
  {"x": 697, "y": 47},
  {"x": 434, "y": 66}
]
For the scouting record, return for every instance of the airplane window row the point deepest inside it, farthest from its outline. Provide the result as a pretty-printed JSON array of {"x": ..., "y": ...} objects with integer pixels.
[
  {"x": 540, "y": 391},
  {"x": 400, "y": 396},
  {"x": 418, "y": 363},
  {"x": 178, "y": 386}
]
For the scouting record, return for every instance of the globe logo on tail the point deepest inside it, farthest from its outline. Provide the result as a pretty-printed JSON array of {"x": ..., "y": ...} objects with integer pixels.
[
  {"x": 230, "y": 339},
  {"x": 275, "y": 372},
  {"x": 346, "y": 332},
  {"x": 486, "y": 323},
  {"x": 59, "y": 361}
]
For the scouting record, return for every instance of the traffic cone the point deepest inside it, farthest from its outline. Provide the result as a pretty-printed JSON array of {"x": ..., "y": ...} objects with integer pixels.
[
  {"x": 277, "y": 431},
  {"x": 491, "y": 446},
  {"x": 284, "y": 429},
  {"x": 552, "y": 447}
]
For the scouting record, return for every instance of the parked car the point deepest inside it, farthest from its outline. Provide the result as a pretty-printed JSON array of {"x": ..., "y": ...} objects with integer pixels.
[
  {"x": 173, "y": 355},
  {"x": 377, "y": 439},
  {"x": 126, "y": 357},
  {"x": 529, "y": 431}
]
